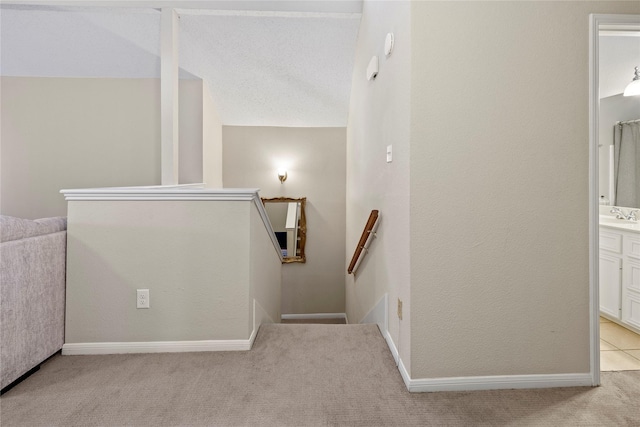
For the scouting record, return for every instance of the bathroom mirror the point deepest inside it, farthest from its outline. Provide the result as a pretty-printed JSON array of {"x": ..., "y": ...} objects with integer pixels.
[{"x": 289, "y": 222}]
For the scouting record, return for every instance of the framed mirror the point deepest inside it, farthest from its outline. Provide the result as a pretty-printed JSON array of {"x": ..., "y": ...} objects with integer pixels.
[{"x": 289, "y": 222}]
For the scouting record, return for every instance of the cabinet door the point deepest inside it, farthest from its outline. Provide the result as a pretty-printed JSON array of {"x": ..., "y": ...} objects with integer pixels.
[
  {"x": 631, "y": 292},
  {"x": 610, "y": 285}
]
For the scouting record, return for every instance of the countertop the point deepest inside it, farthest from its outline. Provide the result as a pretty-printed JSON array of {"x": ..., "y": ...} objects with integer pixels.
[{"x": 619, "y": 224}]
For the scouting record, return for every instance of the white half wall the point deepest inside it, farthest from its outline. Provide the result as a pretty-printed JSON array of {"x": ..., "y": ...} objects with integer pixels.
[{"x": 193, "y": 256}]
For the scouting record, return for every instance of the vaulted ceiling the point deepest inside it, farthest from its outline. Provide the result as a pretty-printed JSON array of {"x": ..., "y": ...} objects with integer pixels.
[{"x": 269, "y": 63}]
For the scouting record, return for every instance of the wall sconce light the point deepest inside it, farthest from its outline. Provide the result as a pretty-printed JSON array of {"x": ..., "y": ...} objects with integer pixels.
[
  {"x": 633, "y": 88},
  {"x": 282, "y": 175}
]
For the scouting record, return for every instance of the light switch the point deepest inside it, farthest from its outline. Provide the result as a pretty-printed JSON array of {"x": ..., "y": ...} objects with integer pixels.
[{"x": 389, "y": 154}]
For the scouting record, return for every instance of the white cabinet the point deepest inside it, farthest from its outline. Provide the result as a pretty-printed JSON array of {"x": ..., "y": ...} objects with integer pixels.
[
  {"x": 620, "y": 276},
  {"x": 631, "y": 280},
  {"x": 610, "y": 281}
]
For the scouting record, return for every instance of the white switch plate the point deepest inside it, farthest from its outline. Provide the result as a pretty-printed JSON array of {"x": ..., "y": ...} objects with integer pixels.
[
  {"x": 389, "y": 154},
  {"x": 142, "y": 300}
]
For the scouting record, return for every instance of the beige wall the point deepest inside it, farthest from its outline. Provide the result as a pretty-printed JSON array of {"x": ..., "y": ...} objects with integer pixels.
[
  {"x": 499, "y": 187},
  {"x": 191, "y": 131},
  {"x": 379, "y": 116},
  {"x": 211, "y": 141},
  {"x": 73, "y": 133},
  {"x": 81, "y": 133},
  {"x": 265, "y": 272},
  {"x": 315, "y": 160},
  {"x": 197, "y": 271}
]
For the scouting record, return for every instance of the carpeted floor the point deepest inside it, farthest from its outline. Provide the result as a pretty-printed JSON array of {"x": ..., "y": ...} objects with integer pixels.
[{"x": 296, "y": 375}]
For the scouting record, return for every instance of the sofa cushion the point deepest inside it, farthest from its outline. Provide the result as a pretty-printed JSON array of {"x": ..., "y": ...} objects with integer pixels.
[{"x": 12, "y": 228}]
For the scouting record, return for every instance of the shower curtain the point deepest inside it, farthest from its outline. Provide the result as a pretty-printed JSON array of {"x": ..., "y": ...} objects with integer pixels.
[{"x": 627, "y": 163}]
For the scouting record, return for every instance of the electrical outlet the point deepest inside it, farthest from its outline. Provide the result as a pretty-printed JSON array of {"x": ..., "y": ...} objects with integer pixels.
[
  {"x": 399, "y": 309},
  {"x": 142, "y": 300}
]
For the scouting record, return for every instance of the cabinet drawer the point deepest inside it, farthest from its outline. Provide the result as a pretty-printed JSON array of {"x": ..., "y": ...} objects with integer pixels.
[
  {"x": 611, "y": 241},
  {"x": 632, "y": 245}
]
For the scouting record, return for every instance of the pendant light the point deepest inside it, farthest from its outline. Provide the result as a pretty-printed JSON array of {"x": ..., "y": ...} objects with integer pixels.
[{"x": 633, "y": 88}]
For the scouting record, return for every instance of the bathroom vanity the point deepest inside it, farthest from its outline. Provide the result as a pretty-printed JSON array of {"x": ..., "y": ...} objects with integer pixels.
[{"x": 620, "y": 271}]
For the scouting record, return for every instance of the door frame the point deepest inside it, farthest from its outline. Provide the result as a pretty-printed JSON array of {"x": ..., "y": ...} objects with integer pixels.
[{"x": 595, "y": 21}]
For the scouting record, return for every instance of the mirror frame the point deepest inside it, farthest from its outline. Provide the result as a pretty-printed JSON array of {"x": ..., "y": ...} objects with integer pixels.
[{"x": 302, "y": 228}]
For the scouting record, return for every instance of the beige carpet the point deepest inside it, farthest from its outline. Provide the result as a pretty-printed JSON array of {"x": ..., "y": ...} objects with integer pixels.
[{"x": 296, "y": 375}]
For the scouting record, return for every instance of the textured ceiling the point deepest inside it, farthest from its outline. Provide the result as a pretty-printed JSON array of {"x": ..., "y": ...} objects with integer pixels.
[
  {"x": 273, "y": 70},
  {"x": 263, "y": 68}
]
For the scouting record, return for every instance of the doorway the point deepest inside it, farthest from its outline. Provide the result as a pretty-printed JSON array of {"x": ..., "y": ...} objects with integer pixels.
[{"x": 607, "y": 257}]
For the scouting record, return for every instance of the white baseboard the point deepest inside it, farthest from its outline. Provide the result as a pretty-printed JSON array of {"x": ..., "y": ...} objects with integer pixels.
[
  {"x": 497, "y": 382},
  {"x": 392, "y": 347},
  {"x": 70, "y": 349},
  {"x": 314, "y": 316}
]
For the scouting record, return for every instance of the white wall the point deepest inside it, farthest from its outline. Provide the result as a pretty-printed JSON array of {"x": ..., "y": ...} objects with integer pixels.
[
  {"x": 81, "y": 133},
  {"x": 499, "y": 187},
  {"x": 315, "y": 161},
  {"x": 379, "y": 116}
]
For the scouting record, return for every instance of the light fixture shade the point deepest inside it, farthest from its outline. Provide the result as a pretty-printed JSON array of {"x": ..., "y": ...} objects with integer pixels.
[
  {"x": 633, "y": 88},
  {"x": 282, "y": 175}
]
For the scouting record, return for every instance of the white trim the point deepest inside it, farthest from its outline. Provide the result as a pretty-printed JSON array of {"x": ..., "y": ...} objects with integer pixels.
[
  {"x": 498, "y": 382},
  {"x": 404, "y": 374},
  {"x": 162, "y": 192},
  {"x": 314, "y": 316},
  {"x": 596, "y": 22},
  {"x": 313, "y": 7},
  {"x": 394, "y": 350},
  {"x": 252, "y": 337},
  {"x": 269, "y": 13},
  {"x": 594, "y": 107},
  {"x": 157, "y": 346}
]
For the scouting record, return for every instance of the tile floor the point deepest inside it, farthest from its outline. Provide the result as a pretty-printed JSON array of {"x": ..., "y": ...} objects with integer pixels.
[{"x": 619, "y": 347}]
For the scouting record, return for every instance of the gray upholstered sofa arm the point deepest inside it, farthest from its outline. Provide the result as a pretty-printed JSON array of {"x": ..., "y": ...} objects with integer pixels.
[{"x": 32, "y": 292}]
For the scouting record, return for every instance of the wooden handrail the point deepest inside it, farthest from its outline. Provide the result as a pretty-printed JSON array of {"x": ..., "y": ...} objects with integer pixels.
[{"x": 368, "y": 228}]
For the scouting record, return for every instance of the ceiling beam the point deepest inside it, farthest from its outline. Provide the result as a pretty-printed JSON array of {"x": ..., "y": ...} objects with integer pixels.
[
  {"x": 169, "y": 130},
  {"x": 317, "y": 6}
]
